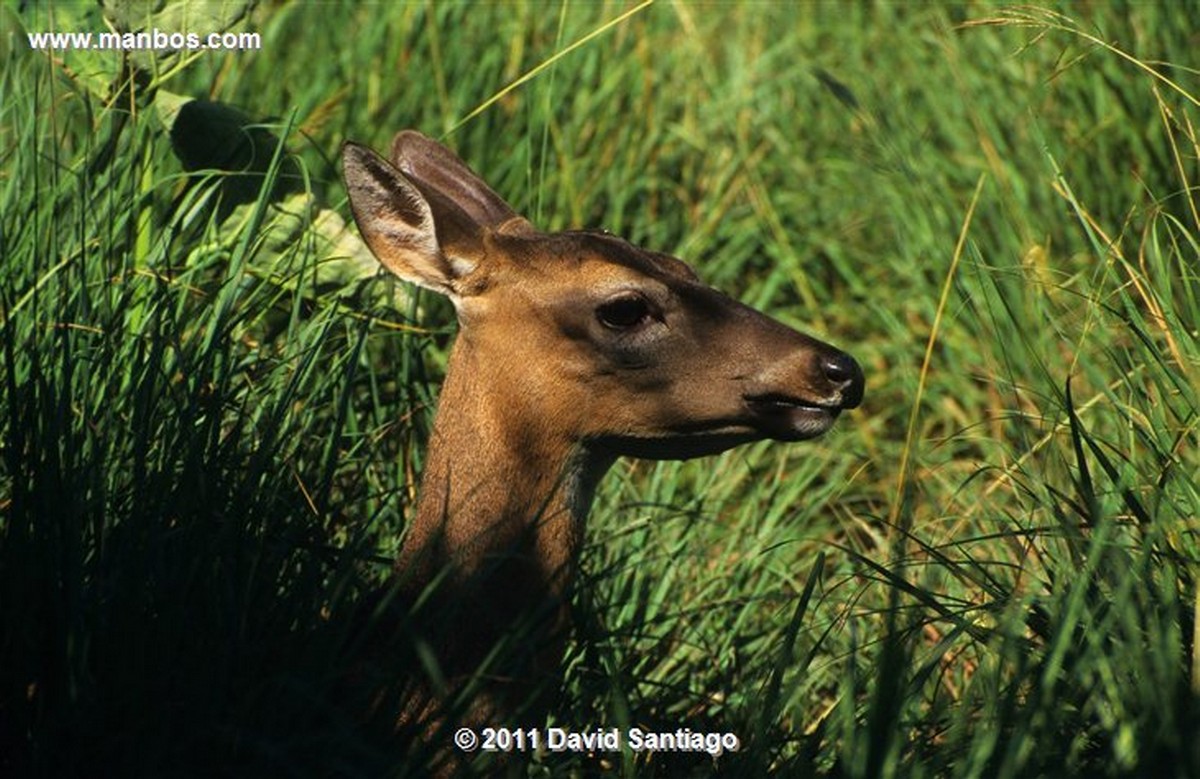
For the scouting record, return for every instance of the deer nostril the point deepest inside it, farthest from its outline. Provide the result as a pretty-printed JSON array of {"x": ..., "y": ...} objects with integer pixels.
[
  {"x": 843, "y": 372},
  {"x": 839, "y": 369}
]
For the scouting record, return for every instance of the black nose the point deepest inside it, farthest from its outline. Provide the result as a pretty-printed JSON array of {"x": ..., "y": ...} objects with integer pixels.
[{"x": 843, "y": 372}]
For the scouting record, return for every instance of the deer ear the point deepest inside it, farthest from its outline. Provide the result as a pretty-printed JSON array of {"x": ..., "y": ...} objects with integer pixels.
[
  {"x": 436, "y": 169},
  {"x": 398, "y": 223}
]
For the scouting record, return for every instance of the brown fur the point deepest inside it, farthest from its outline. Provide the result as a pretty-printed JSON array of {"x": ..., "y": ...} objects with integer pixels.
[{"x": 574, "y": 349}]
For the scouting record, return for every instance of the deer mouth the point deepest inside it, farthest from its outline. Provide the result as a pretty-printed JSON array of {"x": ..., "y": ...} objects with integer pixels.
[
  {"x": 789, "y": 418},
  {"x": 771, "y": 415}
]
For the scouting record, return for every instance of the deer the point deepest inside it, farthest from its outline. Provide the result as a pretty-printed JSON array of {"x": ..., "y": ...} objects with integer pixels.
[{"x": 573, "y": 349}]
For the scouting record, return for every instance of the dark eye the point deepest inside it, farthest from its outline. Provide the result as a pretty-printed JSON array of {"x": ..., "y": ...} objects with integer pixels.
[{"x": 624, "y": 312}]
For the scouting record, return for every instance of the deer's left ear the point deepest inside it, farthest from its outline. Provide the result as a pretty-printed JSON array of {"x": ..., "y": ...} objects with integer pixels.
[{"x": 433, "y": 249}]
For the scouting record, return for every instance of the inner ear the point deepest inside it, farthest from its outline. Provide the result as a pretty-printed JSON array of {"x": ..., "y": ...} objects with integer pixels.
[{"x": 460, "y": 236}]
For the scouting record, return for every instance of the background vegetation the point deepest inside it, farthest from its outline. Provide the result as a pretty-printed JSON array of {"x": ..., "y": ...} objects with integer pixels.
[{"x": 213, "y": 416}]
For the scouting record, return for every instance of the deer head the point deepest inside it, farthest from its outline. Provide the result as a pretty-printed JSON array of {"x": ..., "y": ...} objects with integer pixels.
[
  {"x": 602, "y": 344},
  {"x": 574, "y": 348}
]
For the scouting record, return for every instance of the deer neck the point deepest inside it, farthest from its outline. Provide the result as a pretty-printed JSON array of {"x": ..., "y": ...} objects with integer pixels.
[{"x": 504, "y": 497}]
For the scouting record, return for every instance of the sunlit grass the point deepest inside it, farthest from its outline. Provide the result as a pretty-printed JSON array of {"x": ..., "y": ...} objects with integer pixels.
[{"x": 213, "y": 421}]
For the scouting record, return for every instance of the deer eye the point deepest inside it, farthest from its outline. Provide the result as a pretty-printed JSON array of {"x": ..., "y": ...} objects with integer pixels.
[{"x": 624, "y": 312}]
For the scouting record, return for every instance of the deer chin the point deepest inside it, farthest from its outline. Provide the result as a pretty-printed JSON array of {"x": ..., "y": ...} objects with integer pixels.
[
  {"x": 786, "y": 418},
  {"x": 681, "y": 446}
]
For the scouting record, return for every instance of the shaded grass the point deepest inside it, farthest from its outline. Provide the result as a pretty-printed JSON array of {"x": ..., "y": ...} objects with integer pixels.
[{"x": 208, "y": 448}]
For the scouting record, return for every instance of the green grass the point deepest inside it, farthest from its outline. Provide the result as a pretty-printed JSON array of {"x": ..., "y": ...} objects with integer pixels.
[{"x": 213, "y": 418}]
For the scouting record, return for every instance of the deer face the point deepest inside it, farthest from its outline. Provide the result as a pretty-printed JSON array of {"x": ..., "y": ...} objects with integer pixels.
[{"x": 618, "y": 349}]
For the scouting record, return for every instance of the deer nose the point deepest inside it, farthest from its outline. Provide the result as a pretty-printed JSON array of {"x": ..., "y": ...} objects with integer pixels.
[{"x": 844, "y": 374}]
